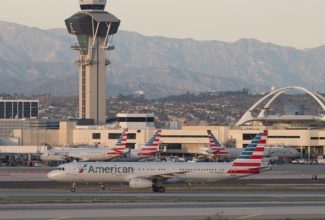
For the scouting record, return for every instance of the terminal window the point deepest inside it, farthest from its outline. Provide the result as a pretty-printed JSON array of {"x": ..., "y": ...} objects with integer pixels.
[
  {"x": 136, "y": 119},
  {"x": 2, "y": 114},
  {"x": 34, "y": 109},
  {"x": 27, "y": 110},
  {"x": 130, "y": 145},
  {"x": 174, "y": 146},
  {"x": 9, "y": 110},
  {"x": 20, "y": 110},
  {"x": 114, "y": 135},
  {"x": 96, "y": 136},
  {"x": 248, "y": 137},
  {"x": 284, "y": 137},
  {"x": 132, "y": 136}
]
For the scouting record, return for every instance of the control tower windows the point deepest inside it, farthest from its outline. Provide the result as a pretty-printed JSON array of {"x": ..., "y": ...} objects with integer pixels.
[
  {"x": 83, "y": 42},
  {"x": 92, "y": 7}
]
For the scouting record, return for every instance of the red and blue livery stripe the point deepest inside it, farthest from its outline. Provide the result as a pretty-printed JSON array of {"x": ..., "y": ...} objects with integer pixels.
[{"x": 250, "y": 160}]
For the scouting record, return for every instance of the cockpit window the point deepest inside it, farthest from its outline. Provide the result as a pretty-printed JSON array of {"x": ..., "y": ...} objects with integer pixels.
[{"x": 60, "y": 168}]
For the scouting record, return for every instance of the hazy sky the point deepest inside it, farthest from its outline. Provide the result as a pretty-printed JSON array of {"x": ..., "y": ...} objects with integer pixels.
[{"x": 298, "y": 23}]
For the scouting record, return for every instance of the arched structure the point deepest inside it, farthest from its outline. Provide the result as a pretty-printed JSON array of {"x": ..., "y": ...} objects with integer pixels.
[{"x": 248, "y": 117}]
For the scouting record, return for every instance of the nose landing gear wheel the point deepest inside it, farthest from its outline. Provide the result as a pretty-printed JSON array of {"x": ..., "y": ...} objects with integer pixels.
[
  {"x": 102, "y": 187},
  {"x": 160, "y": 189}
]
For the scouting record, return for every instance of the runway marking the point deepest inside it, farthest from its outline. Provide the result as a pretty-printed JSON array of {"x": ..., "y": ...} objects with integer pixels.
[
  {"x": 249, "y": 216},
  {"x": 61, "y": 218}
]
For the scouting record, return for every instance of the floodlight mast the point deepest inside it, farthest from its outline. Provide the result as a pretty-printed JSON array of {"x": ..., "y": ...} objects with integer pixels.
[{"x": 93, "y": 28}]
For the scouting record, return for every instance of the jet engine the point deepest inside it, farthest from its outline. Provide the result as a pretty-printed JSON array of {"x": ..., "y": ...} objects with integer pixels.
[{"x": 137, "y": 183}]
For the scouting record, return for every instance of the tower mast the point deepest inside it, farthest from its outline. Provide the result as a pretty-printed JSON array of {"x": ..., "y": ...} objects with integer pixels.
[{"x": 93, "y": 27}]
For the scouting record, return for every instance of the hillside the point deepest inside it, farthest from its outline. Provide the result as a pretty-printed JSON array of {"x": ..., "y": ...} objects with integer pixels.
[{"x": 35, "y": 61}]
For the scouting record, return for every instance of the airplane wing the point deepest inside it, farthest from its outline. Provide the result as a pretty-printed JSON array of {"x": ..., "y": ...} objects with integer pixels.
[
  {"x": 163, "y": 176},
  {"x": 72, "y": 157}
]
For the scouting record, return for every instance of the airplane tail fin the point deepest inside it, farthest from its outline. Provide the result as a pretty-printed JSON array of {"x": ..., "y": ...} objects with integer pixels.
[
  {"x": 152, "y": 146},
  {"x": 250, "y": 160},
  {"x": 121, "y": 142},
  {"x": 215, "y": 147},
  {"x": 120, "y": 146}
]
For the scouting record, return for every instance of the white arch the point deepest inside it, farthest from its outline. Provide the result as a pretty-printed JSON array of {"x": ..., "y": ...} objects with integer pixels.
[
  {"x": 267, "y": 106},
  {"x": 276, "y": 93}
]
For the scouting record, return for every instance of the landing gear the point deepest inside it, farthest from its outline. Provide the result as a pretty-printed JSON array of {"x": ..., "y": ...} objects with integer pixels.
[
  {"x": 102, "y": 187},
  {"x": 160, "y": 189},
  {"x": 155, "y": 189},
  {"x": 73, "y": 188}
]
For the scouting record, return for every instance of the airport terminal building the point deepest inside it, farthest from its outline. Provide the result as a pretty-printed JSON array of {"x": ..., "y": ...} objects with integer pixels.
[
  {"x": 304, "y": 132},
  {"x": 188, "y": 139}
]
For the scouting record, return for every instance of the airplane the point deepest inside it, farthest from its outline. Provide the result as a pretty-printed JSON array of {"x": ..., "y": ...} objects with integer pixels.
[
  {"x": 88, "y": 153},
  {"x": 217, "y": 149},
  {"x": 149, "y": 149},
  {"x": 104, "y": 153},
  {"x": 156, "y": 174}
]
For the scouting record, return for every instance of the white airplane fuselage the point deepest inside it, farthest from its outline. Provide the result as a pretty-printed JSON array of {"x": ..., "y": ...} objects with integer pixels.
[
  {"x": 125, "y": 172},
  {"x": 269, "y": 152},
  {"x": 82, "y": 154}
]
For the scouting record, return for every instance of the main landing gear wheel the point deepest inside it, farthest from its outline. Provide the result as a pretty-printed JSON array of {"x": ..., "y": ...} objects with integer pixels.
[
  {"x": 160, "y": 189},
  {"x": 73, "y": 188},
  {"x": 155, "y": 189}
]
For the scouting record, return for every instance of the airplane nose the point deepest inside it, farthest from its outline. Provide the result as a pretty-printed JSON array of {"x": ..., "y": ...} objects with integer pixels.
[{"x": 53, "y": 175}]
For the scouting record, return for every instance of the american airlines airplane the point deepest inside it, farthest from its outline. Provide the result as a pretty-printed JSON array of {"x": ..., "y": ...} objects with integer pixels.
[
  {"x": 104, "y": 153},
  {"x": 86, "y": 154},
  {"x": 217, "y": 149},
  {"x": 149, "y": 149},
  {"x": 156, "y": 174}
]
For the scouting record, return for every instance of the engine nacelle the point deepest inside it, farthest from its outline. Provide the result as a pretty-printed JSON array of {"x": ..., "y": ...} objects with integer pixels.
[{"x": 138, "y": 183}]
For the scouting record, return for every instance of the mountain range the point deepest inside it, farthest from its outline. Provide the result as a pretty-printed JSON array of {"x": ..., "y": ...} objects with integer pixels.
[{"x": 35, "y": 61}]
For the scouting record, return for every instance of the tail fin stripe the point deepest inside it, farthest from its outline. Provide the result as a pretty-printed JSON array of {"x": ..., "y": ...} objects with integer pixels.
[
  {"x": 262, "y": 141},
  {"x": 149, "y": 148},
  {"x": 248, "y": 164},
  {"x": 256, "y": 157},
  {"x": 245, "y": 157},
  {"x": 247, "y": 153}
]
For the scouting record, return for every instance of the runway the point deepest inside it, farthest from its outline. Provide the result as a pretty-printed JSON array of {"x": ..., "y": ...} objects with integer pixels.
[
  {"x": 216, "y": 205},
  {"x": 178, "y": 211},
  {"x": 286, "y": 192}
]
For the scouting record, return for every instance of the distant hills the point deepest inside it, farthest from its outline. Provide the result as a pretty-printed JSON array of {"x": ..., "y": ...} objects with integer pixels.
[{"x": 35, "y": 61}]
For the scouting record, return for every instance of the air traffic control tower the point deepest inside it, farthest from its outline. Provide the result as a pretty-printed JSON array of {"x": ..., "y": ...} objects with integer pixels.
[{"x": 93, "y": 28}]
